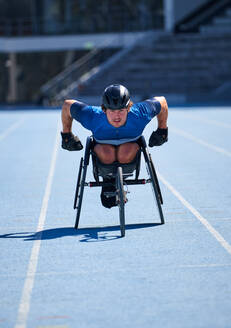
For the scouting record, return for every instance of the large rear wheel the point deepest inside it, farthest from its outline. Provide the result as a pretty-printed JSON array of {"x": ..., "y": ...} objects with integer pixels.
[
  {"x": 78, "y": 182},
  {"x": 80, "y": 193},
  {"x": 155, "y": 184},
  {"x": 156, "y": 180}
]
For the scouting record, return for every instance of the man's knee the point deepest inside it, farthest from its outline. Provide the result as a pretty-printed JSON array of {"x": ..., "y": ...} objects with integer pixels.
[
  {"x": 106, "y": 153},
  {"x": 127, "y": 152}
]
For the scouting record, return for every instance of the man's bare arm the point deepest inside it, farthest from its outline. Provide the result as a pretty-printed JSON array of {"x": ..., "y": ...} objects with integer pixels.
[
  {"x": 69, "y": 141},
  {"x": 66, "y": 116},
  {"x": 162, "y": 117},
  {"x": 160, "y": 136}
]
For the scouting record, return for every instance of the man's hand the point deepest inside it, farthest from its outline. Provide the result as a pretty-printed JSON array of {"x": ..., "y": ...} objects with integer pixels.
[
  {"x": 71, "y": 142},
  {"x": 158, "y": 137}
]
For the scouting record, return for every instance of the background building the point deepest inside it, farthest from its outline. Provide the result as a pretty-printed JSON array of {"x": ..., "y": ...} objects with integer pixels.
[{"x": 173, "y": 46}]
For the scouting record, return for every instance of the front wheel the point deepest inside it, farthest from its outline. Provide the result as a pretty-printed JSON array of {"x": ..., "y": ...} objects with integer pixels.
[{"x": 121, "y": 199}]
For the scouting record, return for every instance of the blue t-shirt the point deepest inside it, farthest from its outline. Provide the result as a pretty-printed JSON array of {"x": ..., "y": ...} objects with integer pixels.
[{"x": 94, "y": 119}]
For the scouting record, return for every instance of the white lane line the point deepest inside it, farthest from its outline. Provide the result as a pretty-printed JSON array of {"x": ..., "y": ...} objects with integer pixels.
[
  {"x": 201, "y": 142},
  {"x": 207, "y": 225},
  {"x": 212, "y": 265},
  {"x": 24, "y": 305},
  {"x": 207, "y": 121},
  {"x": 13, "y": 127},
  {"x": 213, "y": 122},
  {"x": 84, "y": 272}
]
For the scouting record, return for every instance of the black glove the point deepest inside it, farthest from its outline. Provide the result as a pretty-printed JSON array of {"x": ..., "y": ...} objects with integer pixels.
[
  {"x": 158, "y": 137},
  {"x": 71, "y": 142}
]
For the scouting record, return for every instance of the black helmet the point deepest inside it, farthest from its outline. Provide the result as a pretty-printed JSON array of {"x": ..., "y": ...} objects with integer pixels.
[{"x": 115, "y": 96}]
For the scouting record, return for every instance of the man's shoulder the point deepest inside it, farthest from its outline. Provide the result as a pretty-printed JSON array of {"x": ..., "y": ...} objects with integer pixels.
[
  {"x": 139, "y": 107},
  {"x": 79, "y": 105},
  {"x": 146, "y": 108}
]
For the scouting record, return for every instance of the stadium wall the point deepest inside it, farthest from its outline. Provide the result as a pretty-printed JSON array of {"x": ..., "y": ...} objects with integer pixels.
[{"x": 69, "y": 42}]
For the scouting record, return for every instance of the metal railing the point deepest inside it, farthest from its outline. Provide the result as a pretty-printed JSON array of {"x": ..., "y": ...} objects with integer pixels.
[
  {"x": 51, "y": 92},
  {"x": 200, "y": 16}
]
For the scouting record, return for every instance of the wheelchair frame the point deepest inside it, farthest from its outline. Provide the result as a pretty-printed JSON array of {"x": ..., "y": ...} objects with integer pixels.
[{"x": 118, "y": 171}]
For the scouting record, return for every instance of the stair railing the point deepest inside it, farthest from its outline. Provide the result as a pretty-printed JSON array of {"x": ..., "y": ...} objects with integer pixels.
[{"x": 54, "y": 87}]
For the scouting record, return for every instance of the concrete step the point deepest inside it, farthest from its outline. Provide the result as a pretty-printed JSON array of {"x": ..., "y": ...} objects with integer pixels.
[
  {"x": 189, "y": 38},
  {"x": 228, "y": 12},
  {"x": 181, "y": 73},
  {"x": 157, "y": 91},
  {"x": 170, "y": 70},
  {"x": 215, "y": 29},
  {"x": 161, "y": 83},
  {"x": 177, "y": 82},
  {"x": 191, "y": 55},
  {"x": 222, "y": 21},
  {"x": 183, "y": 56},
  {"x": 145, "y": 93},
  {"x": 200, "y": 45},
  {"x": 166, "y": 66},
  {"x": 182, "y": 38},
  {"x": 216, "y": 45},
  {"x": 180, "y": 77}
]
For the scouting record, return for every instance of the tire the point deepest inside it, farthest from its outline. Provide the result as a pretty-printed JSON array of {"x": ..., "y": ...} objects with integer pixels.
[
  {"x": 155, "y": 184},
  {"x": 121, "y": 199},
  {"x": 81, "y": 180},
  {"x": 156, "y": 180},
  {"x": 78, "y": 182},
  {"x": 80, "y": 197}
]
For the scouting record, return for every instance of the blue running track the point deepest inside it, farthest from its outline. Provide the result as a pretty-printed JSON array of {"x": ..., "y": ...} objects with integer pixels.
[{"x": 175, "y": 275}]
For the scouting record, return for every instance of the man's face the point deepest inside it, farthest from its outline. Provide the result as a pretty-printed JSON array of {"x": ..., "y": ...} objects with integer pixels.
[{"x": 117, "y": 117}]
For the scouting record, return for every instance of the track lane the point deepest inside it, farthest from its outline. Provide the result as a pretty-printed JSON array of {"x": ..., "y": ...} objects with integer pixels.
[
  {"x": 175, "y": 275},
  {"x": 24, "y": 160},
  {"x": 151, "y": 267}
]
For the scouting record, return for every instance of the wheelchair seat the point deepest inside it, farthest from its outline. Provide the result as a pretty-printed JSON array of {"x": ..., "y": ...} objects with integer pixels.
[{"x": 110, "y": 170}]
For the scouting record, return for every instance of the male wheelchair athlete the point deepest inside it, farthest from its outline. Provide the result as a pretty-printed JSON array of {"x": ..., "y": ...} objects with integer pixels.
[{"x": 121, "y": 174}]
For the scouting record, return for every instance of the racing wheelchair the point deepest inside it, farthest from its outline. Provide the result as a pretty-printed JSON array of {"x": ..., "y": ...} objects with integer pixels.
[{"x": 122, "y": 175}]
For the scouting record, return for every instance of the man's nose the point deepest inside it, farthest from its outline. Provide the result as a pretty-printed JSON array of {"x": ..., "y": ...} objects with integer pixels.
[{"x": 116, "y": 113}]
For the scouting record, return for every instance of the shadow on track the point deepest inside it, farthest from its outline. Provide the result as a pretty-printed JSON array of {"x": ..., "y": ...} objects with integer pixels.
[{"x": 90, "y": 234}]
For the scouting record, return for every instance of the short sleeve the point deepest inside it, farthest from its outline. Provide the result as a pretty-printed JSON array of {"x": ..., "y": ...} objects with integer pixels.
[
  {"x": 82, "y": 113},
  {"x": 154, "y": 106},
  {"x": 147, "y": 109}
]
